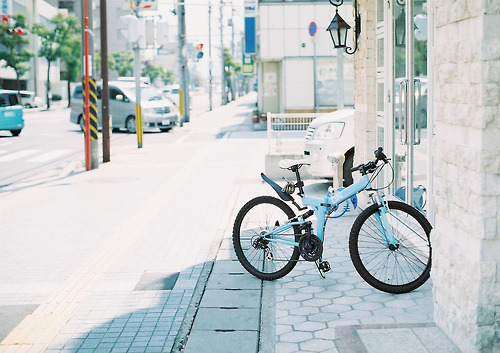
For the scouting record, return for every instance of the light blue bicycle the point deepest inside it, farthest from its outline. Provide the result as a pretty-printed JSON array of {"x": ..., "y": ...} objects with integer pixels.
[{"x": 389, "y": 242}]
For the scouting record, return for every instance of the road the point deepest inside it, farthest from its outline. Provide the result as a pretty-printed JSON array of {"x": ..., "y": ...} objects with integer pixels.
[{"x": 49, "y": 143}]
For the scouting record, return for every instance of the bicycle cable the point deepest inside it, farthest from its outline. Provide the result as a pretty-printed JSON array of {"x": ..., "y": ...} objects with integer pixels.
[{"x": 377, "y": 172}]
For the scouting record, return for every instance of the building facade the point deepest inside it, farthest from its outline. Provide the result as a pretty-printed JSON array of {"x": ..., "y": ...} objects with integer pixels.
[
  {"x": 298, "y": 69},
  {"x": 427, "y": 89},
  {"x": 446, "y": 68}
]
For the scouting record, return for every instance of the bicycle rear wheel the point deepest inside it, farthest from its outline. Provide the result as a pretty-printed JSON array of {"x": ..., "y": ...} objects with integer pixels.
[
  {"x": 265, "y": 259},
  {"x": 397, "y": 270}
]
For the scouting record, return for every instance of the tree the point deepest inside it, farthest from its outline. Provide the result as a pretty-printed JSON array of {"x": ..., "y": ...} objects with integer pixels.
[
  {"x": 53, "y": 40},
  {"x": 70, "y": 51},
  {"x": 123, "y": 63},
  {"x": 15, "y": 55},
  {"x": 230, "y": 67},
  {"x": 168, "y": 77},
  {"x": 157, "y": 71}
]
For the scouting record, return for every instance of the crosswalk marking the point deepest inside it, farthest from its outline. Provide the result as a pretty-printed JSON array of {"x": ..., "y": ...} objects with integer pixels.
[
  {"x": 48, "y": 156},
  {"x": 17, "y": 155}
]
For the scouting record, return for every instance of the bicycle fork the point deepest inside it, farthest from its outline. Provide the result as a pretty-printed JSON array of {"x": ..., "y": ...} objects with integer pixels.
[{"x": 383, "y": 224}]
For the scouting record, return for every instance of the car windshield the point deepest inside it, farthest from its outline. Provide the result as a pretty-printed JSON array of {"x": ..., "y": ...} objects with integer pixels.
[{"x": 147, "y": 93}]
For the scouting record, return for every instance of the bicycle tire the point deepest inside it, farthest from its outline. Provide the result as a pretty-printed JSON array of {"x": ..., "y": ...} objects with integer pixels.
[
  {"x": 393, "y": 271},
  {"x": 259, "y": 215}
]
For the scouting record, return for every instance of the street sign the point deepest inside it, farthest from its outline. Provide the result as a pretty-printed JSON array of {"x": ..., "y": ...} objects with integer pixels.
[
  {"x": 248, "y": 65},
  {"x": 312, "y": 29},
  {"x": 5, "y": 19},
  {"x": 6, "y": 7}
]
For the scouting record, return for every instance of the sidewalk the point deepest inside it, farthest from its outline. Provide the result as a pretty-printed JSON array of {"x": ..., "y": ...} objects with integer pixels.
[
  {"x": 136, "y": 256},
  {"x": 303, "y": 312}
]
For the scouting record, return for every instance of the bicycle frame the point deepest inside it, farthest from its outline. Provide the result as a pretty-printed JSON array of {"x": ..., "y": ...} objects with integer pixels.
[{"x": 322, "y": 206}]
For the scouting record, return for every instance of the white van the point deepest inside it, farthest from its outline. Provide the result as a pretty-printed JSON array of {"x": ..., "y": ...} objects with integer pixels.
[{"x": 157, "y": 112}]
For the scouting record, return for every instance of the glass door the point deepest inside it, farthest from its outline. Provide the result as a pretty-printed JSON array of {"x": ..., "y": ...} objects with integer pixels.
[{"x": 410, "y": 139}]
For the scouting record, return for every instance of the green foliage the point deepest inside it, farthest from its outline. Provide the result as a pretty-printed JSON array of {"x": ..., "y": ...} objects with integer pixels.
[
  {"x": 15, "y": 50},
  {"x": 123, "y": 63},
  {"x": 157, "y": 71},
  {"x": 59, "y": 41}
]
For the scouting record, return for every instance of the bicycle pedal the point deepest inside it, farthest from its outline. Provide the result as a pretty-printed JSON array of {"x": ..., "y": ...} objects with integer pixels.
[{"x": 324, "y": 266}]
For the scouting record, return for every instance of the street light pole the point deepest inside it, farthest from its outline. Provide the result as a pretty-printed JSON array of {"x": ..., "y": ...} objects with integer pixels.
[
  {"x": 223, "y": 66},
  {"x": 210, "y": 53},
  {"x": 183, "y": 70},
  {"x": 105, "y": 90}
]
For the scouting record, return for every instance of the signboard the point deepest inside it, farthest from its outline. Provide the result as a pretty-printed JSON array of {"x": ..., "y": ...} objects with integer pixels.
[
  {"x": 5, "y": 7},
  {"x": 250, "y": 12},
  {"x": 248, "y": 65},
  {"x": 143, "y": 4},
  {"x": 5, "y": 19},
  {"x": 250, "y": 35}
]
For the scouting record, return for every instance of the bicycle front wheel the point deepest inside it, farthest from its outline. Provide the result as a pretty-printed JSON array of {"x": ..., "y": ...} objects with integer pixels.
[
  {"x": 263, "y": 258},
  {"x": 399, "y": 269}
]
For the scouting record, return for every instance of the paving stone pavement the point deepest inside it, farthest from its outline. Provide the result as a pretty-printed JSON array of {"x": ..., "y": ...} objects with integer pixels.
[{"x": 303, "y": 312}]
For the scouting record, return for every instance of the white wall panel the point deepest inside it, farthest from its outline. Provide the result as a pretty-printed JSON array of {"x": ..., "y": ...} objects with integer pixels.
[
  {"x": 298, "y": 81},
  {"x": 275, "y": 19},
  {"x": 293, "y": 43},
  {"x": 276, "y": 43},
  {"x": 291, "y": 14}
]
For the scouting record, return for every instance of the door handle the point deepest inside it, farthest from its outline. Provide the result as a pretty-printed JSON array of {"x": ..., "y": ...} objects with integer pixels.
[
  {"x": 403, "y": 112},
  {"x": 417, "y": 113}
]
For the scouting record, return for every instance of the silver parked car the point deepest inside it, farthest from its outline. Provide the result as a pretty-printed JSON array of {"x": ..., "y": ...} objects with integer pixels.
[
  {"x": 157, "y": 111},
  {"x": 327, "y": 135}
]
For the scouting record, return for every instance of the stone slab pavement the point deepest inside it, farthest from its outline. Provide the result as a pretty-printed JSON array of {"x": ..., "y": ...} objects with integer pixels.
[{"x": 303, "y": 312}]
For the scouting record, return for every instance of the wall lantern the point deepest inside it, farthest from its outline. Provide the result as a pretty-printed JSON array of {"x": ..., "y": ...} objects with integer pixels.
[
  {"x": 399, "y": 29},
  {"x": 338, "y": 28}
]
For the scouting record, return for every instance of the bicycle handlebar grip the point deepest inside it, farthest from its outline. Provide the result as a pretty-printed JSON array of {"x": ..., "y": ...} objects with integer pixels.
[{"x": 379, "y": 154}]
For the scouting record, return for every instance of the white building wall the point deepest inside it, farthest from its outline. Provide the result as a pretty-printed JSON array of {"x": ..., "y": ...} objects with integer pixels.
[{"x": 283, "y": 36}]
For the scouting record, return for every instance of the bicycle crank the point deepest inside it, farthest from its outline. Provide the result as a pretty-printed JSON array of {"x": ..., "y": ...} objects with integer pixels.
[{"x": 310, "y": 247}]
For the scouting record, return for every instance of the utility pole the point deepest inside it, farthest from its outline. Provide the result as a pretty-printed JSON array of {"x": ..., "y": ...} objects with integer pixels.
[
  {"x": 183, "y": 70},
  {"x": 233, "y": 83},
  {"x": 210, "y": 54},
  {"x": 223, "y": 66},
  {"x": 105, "y": 90},
  {"x": 91, "y": 148}
]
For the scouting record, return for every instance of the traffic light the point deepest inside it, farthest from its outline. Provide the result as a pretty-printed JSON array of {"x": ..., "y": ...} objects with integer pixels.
[
  {"x": 199, "y": 53},
  {"x": 15, "y": 31},
  {"x": 20, "y": 31}
]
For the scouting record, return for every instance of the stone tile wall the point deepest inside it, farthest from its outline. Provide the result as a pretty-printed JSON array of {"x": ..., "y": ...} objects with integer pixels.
[
  {"x": 466, "y": 238},
  {"x": 466, "y": 144},
  {"x": 364, "y": 84}
]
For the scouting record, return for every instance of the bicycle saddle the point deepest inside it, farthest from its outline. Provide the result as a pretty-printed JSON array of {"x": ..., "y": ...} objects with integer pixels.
[{"x": 289, "y": 163}]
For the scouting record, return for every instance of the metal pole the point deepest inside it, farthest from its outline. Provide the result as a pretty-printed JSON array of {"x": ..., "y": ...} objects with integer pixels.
[
  {"x": 183, "y": 72},
  {"x": 223, "y": 66},
  {"x": 138, "y": 110},
  {"x": 315, "y": 77},
  {"x": 105, "y": 90},
  {"x": 86, "y": 83},
  {"x": 340, "y": 79},
  {"x": 232, "y": 51},
  {"x": 210, "y": 54}
]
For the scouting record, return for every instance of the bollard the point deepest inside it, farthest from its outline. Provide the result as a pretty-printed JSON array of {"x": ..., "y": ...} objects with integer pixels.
[{"x": 337, "y": 159}]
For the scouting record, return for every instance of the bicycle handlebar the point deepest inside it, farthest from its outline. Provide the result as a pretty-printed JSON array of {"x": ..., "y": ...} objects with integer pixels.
[{"x": 372, "y": 165}]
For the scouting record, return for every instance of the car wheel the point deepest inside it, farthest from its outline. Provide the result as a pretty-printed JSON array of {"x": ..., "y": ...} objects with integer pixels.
[
  {"x": 130, "y": 124},
  {"x": 15, "y": 132},
  {"x": 165, "y": 129},
  {"x": 81, "y": 122},
  {"x": 28, "y": 106},
  {"x": 349, "y": 160}
]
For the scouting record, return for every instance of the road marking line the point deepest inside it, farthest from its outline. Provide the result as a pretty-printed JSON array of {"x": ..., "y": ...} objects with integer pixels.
[
  {"x": 17, "y": 155},
  {"x": 48, "y": 156}
]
